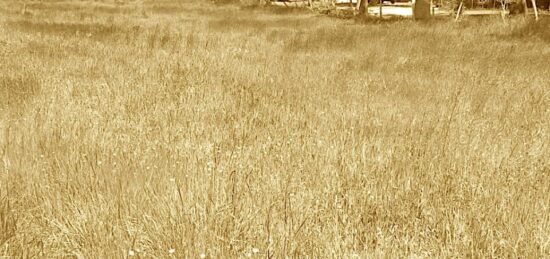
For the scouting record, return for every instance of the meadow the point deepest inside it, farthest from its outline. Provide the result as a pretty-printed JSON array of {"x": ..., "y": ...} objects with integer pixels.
[{"x": 166, "y": 128}]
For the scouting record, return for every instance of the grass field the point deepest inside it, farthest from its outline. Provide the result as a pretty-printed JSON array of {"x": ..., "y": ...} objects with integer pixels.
[{"x": 128, "y": 130}]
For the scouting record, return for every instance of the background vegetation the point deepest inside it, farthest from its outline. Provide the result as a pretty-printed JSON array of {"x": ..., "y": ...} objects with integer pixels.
[{"x": 129, "y": 129}]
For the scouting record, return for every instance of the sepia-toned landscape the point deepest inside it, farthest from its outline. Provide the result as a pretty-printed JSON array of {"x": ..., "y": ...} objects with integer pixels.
[{"x": 193, "y": 129}]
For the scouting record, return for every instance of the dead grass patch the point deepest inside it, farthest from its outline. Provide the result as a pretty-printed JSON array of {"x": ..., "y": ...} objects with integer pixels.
[
  {"x": 91, "y": 30},
  {"x": 16, "y": 89},
  {"x": 250, "y": 133},
  {"x": 531, "y": 29},
  {"x": 320, "y": 39}
]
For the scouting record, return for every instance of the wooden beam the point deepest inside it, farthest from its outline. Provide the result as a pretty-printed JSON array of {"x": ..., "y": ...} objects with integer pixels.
[
  {"x": 459, "y": 11},
  {"x": 24, "y": 9},
  {"x": 503, "y": 12},
  {"x": 534, "y": 3}
]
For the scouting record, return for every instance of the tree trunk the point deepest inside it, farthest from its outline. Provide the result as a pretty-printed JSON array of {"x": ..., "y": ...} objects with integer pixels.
[
  {"x": 380, "y": 5},
  {"x": 362, "y": 7},
  {"x": 422, "y": 9}
]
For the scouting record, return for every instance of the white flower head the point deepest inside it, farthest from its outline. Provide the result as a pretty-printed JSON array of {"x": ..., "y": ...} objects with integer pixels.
[
  {"x": 255, "y": 250},
  {"x": 171, "y": 250},
  {"x": 202, "y": 255},
  {"x": 131, "y": 253}
]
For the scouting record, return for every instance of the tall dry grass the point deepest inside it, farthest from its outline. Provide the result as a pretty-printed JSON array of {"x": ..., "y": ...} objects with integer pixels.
[{"x": 132, "y": 129}]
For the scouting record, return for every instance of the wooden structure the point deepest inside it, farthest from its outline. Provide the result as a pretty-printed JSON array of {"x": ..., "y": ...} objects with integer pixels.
[
  {"x": 418, "y": 9},
  {"x": 503, "y": 11}
]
